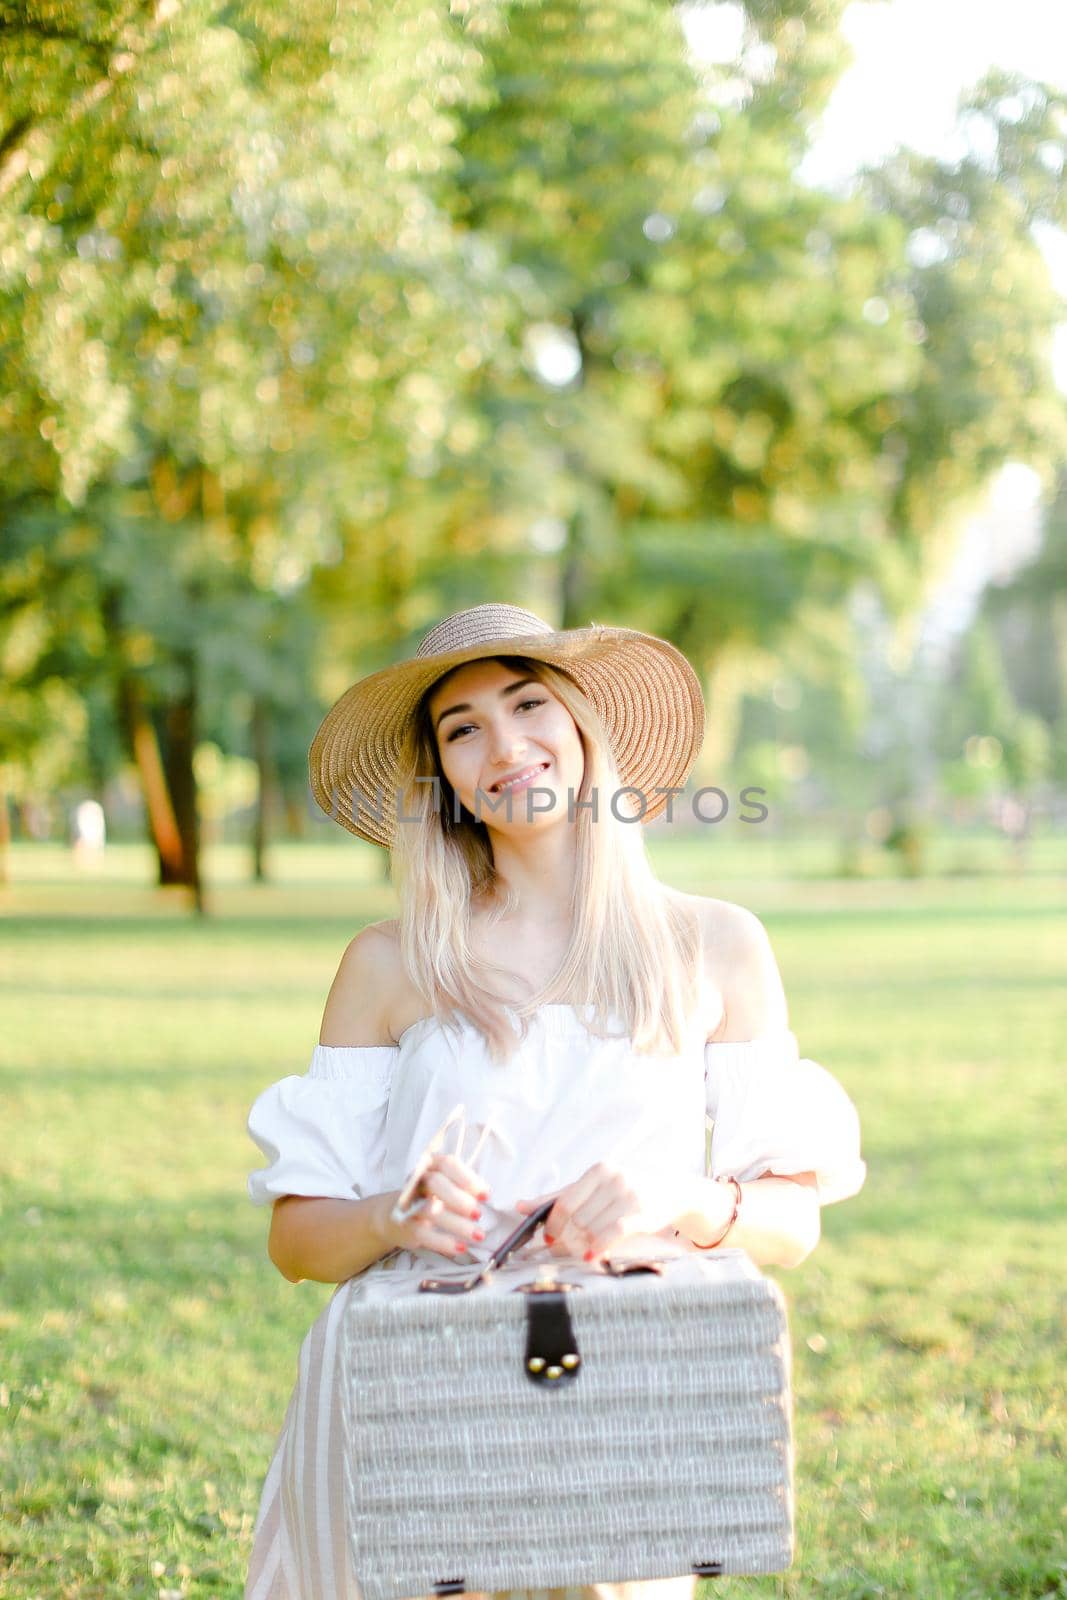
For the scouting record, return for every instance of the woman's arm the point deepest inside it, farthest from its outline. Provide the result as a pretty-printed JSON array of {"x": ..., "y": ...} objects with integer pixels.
[
  {"x": 331, "y": 1240},
  {"x": 779, "y": 1224},
  {"x": 328, "y": 1240}
]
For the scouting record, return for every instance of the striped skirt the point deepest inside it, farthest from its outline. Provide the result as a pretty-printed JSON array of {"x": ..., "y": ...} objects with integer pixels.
[{"x": 299, "y": 1548}]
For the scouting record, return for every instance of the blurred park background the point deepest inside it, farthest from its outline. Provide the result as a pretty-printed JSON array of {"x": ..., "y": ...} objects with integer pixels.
[{"x": 741, "y": 323}]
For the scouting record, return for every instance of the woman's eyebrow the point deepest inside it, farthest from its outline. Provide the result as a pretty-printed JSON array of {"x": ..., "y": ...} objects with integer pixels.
[{"x": 465, "y": 705}]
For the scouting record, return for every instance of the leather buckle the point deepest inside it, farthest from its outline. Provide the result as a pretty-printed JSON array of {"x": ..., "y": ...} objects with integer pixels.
[{"x": 623, "y": 1267}]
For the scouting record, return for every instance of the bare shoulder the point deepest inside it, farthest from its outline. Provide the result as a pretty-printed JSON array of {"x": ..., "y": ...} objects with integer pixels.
[
  {"x": 362, "y": 995},
  {"x": 726, "y": 927},
  {"x": 729, "y": 928},
  {"x": 741, "y": 959}
]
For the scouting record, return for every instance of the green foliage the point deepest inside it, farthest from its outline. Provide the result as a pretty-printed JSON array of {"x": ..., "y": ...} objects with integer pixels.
[
  {"x": 315, "y": 326},
  {"x": 221, "y": 300},
  {"x": 982, "y": 728},
  {"x": 982, "y": 302},
  {"x": 1029, "y": 616}
]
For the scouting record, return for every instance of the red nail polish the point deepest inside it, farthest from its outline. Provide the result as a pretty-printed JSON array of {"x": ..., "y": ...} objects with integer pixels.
[
  {"x": 460, "y": 1246},
  {"x": 484, "y": 1195},
  {"x": 478, "y": 1235},
  {"x": 476, "y": 1216},
  {"x": 589, "y": 1255},
  {"x": 549, "y": 1239}
]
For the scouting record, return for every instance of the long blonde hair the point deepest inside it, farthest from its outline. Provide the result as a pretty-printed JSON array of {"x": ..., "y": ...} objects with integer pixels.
[{"x": 635, "y": 952}]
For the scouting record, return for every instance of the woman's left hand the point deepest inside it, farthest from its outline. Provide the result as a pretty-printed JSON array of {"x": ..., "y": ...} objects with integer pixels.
[{"x": 606, "y": 1205}]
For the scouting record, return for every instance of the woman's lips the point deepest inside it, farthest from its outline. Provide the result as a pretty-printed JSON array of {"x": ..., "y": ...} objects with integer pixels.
[{"x": 522, "y": 783}]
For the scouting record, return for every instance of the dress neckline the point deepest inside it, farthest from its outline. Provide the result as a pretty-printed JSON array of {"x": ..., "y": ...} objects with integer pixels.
[
  {"x": 555, "y": 1013},
  {"x": 562, "y": 1009},
  {"x": 556, "y": 1007},
  {"x": 763, "y": 1042}
]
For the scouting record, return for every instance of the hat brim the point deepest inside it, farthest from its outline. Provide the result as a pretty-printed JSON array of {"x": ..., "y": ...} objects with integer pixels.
[{"x": 643, "y": 689}]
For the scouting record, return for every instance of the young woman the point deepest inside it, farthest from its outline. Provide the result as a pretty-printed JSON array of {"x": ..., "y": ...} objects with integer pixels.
[{"x": 585, "y": 1018}]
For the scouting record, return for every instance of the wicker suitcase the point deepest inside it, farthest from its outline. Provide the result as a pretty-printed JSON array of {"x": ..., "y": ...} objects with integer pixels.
[{"x": 524, "y": 1427}]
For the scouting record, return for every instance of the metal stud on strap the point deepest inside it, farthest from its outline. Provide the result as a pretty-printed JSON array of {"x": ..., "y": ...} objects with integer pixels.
[{"x": 551, "y": 1354}]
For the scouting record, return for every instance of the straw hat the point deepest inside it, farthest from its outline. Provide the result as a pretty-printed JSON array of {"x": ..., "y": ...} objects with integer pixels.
[{"x": 643, "y": 689}]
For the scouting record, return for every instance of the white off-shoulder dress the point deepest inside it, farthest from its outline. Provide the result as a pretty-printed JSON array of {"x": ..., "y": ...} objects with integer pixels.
[{"x": 355, "y": 1122}]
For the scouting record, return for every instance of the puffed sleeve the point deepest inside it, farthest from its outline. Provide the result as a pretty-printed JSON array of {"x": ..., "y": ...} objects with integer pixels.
[
  {"x": 324, "y": 1133},
  {"x": 776, "y": 1113}
]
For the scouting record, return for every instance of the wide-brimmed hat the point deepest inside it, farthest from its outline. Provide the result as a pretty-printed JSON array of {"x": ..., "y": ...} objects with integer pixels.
[{"x": 643, "y": 689}]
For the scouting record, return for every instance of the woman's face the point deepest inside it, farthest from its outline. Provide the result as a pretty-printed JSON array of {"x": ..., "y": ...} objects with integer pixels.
[{"x": 491, "y": 724}]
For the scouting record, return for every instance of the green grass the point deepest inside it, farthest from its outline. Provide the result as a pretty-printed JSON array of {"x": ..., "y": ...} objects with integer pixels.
[{"x": 149, "y": 1346}]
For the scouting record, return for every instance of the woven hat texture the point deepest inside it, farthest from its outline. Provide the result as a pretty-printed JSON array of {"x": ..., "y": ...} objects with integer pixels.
[{"x": 643, "y": 689}]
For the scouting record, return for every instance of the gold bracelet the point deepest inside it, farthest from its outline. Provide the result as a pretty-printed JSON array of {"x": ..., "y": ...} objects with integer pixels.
[{"x": 733, "y": 1216}]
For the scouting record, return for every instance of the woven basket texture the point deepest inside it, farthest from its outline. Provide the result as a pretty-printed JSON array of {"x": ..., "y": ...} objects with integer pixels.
[{"x": 672, "y": 1447}]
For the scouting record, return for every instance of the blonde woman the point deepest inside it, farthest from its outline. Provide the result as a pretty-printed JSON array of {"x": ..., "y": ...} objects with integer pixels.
[{"x": 587, "y": 1019}]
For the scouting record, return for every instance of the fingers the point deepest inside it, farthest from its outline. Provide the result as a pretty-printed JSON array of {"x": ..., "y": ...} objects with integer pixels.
[
  {"x": 586, "y": 1218},
  {"x": 613, "y": 1202},
  {"x": 589, "y": 1216},
  {"x": 601, "y": 1234},
  {"x": 437, "y": 1227},
  {"x": 458, "y": 1197},
  {"x": 441, "y": 1234},
  {"x": 450, "y": 1219},
  {"x": 560, "y": 1225},
  {"x": 461, "y": 1175}
]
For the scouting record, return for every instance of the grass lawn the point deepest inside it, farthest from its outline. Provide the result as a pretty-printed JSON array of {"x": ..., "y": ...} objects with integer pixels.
[{"x": 149, "y": 1345}]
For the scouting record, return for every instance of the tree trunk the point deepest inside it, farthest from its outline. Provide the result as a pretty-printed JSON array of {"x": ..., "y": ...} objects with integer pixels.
[
  {"x": 179, "y": 728},
  {"x": 264, "y": 768},
  {"x": 144, "y": 746},
  {"x": 572, "y": 583},
  {"x": 166, "y": 773},
  {"x": 5, "y": 836},
  {"x": 295, "y": 814}
]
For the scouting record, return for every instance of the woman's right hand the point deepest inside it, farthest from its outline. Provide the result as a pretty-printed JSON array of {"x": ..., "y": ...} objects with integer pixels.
[{"x": 451, "y": 1215}]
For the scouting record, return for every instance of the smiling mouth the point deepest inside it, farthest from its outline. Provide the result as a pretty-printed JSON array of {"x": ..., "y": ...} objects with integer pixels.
[{"x": 523, "y": 777}]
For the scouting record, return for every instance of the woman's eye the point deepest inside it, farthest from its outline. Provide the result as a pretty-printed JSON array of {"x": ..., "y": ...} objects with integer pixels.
[{"x": 464, "y": 726}]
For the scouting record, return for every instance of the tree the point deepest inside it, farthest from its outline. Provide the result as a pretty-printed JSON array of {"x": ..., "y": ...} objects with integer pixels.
[
  {"x": 1029, "y": 616},
  {"x": 411, "y": 322},
  {"x": 223, "y": 343}
]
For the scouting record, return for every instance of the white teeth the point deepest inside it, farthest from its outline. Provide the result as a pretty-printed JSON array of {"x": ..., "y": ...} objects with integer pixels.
[{"x": 509, "y": 783}]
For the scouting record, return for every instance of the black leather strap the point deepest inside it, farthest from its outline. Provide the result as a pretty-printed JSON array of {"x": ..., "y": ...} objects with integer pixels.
[{"x": 552, "y": 1355}]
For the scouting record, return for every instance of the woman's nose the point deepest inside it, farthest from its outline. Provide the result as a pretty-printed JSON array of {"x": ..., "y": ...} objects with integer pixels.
[{"x": 505, "y": 743}]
